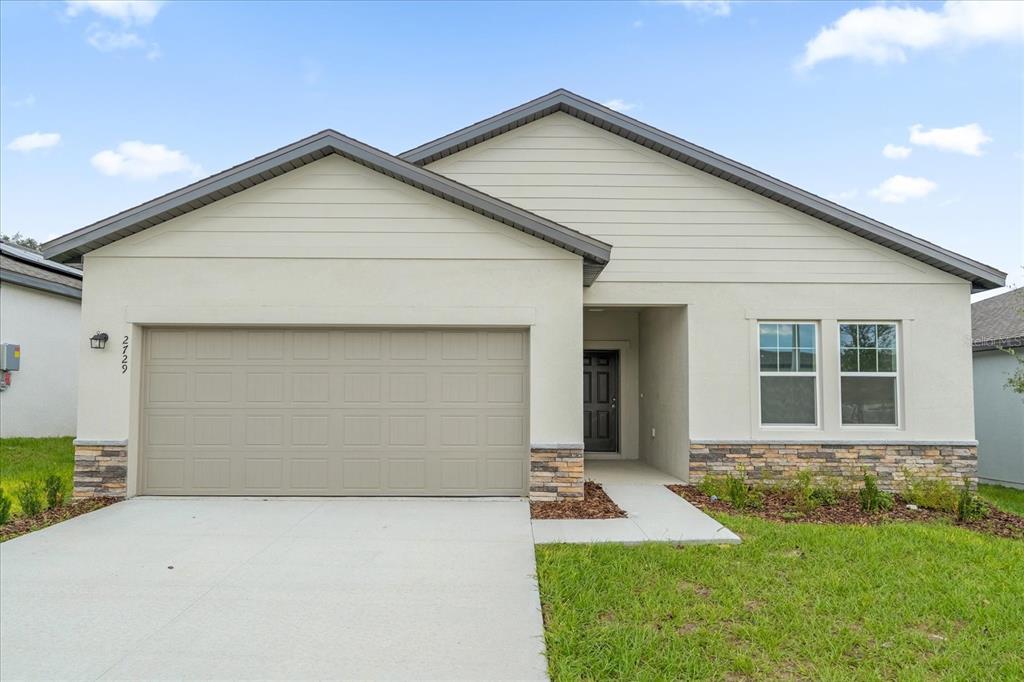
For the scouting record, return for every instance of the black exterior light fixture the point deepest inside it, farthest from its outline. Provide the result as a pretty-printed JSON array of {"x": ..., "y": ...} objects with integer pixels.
[{"x": 98, "y": 340}]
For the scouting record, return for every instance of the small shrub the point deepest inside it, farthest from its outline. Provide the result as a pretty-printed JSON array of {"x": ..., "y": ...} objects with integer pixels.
[
  {"x": 872, "y": 498},
  {"x": 30, "y": 497},
  {"x": 54, "y": 487},
  {"x": 930, "y": 493},
  {"x": 827, "y": 495},
  {"x": 712, "y": 485},
  {"x": 969, "y": 506},
  {"x": 803, "y": 492},
  {"x": 740, "y": 494},
  {"x": 5, "y": 508}
]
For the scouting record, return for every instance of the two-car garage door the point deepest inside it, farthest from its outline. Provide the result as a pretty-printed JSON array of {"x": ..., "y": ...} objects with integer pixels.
[{"x": 334, "y": 412}]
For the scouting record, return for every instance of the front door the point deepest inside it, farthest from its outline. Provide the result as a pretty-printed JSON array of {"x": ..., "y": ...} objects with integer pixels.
[{"x": 600, "y": 400}]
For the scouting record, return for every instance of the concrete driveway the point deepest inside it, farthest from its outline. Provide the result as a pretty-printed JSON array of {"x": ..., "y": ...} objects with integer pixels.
[{"x": 239, "y": 588}]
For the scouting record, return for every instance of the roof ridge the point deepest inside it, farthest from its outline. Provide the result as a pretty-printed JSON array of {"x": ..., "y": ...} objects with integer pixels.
[{"x": 980, "y": 274}]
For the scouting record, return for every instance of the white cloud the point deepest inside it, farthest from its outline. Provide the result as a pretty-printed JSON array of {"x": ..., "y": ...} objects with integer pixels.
[
  {"x": 844, "y": 195},
  {"x": 126, "y": 11},
  {"x": 885, "y": 33},
  {"x": 716, "y": 8},
  {"x": 140, "y": 161},
  {"x": 620, "y": 105},
  {"x": 24, "y": 101},
  {"x": 900, "y": 188},
  {"x": 895, "y": 151},
  {"x": 966, "y": 139},
  {"x": 33, "y": 141},
  {"x": 108, "y": 41}
]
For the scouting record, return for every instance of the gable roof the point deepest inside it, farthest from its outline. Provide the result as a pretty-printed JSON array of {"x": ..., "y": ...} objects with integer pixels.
[
  {"x": 980, "y": 275},
  {"x": 73, "y": 245},
  {"x": 998, "y": 322},
  {"x": 29, "y": 269}
]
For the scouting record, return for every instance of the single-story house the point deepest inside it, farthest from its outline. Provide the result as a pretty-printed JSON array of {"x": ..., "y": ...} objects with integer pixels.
[
  {"x": 482, "y": 314},
  {"x": 998, "y": 328},
  {"x": 40, "y": 313}
]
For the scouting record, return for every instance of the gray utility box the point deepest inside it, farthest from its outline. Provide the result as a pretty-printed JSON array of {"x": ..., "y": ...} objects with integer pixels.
[{"x": 10, "y": 357}]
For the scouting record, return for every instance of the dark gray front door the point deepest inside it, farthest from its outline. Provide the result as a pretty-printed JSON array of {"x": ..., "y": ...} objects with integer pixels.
[{"x": 600, "y": 400}]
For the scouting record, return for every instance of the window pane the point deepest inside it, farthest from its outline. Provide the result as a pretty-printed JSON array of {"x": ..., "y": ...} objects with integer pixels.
[
  {"x": 805, "y": 336},
  {"x": 868, "y": 360},
  {"x": 806, "y": 360},
  {"x": 769, "y": 336},
  {"x": 847, "y": 335},
  {"x": 788, "y": 400},
  {"x": 887, "y": 336},
  {"x": 868, "y": 400},
  {"x": 886, "y": 361},
  {"x": 787, "y": 361},
  {"x": 786, "y": 339},
  {"x": 866, "y": 336},
  {"x": 848, "y": 360},
  {"x": 769, "y": 361}
]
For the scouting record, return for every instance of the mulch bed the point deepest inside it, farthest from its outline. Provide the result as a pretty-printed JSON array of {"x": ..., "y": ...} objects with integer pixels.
[
  {"x": 595, "y": 505},
  {"x": 26, "y": 524},
  {"x": 777, "y": 505}
]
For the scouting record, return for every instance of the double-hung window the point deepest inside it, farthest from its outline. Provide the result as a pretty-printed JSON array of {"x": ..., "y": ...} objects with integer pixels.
[
  {"x": 868, "y": 373},
  {"x": 788, "y": 373}
]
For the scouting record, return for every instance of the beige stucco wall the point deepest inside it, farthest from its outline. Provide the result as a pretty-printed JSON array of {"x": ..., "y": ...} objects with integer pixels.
[
  {"x": 684, "y": 237},
  {"x": 664, "y": 398},
  {"x": 42, "y": 396},
  {"x": 332, "y": 243}
]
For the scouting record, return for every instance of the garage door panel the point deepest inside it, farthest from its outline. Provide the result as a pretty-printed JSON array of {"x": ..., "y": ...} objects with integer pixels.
[{"x": 335, "y": 412}]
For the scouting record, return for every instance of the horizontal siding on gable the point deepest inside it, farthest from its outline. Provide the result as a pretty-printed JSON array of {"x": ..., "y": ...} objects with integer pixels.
[
  {"x": 667, "y": 221},
  {"x": 334, "y": 208}
]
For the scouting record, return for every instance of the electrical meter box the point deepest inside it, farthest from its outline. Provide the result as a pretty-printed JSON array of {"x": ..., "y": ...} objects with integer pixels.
[{"x": 10, "y": 357}]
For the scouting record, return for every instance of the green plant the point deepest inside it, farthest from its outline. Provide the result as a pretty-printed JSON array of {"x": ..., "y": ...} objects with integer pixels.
[
  {"x": 54, "y": 487},
  {"x": 30, "y": 497},
  {"x": 929, "y": 493},
  {"x": 712, "y": 485},
  {"x": 803, "y": 492},
  {"x": 827, "y": 494},
  {"x": 872, "y": 498},
  {"x": 740, "y": 494},
  {"x": 969, "y": 506},
  {"x": 5, "y": 508}
]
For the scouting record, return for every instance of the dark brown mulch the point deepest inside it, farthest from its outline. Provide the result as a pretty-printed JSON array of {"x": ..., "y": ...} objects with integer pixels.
[
  {"x": 777, "y": 505},
  {"x": 26, "y": 524},
  {"x": 595, "y": 505}
]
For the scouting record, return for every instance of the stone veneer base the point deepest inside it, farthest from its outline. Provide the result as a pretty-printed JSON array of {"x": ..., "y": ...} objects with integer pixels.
[
  {"x": 556, "y": 473},
  {"x": 101, "y": 469},
  {"x": 779, "y": 462}
]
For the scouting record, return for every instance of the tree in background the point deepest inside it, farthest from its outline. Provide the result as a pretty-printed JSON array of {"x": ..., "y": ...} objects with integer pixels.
[{"x": 18, "y": 239}]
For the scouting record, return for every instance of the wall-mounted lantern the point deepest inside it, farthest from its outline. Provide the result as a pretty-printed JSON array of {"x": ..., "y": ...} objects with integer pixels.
[{"x": 98, "y": 340}]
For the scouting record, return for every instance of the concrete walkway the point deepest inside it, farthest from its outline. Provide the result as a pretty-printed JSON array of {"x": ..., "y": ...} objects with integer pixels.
[
  {"x": 300, "y": 589},
  {"x": 653, "y": 512}
]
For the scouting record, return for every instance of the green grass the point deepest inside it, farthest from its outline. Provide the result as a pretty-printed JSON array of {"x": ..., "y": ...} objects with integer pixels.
[
  {"x": 1008, "y": 499},
  {"x": 25, "y": 459},
  {"x": 901, "y": 601}
]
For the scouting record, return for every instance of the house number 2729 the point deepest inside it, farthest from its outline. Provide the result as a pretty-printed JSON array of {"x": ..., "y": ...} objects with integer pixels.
[{"x": 124, "y": 355}]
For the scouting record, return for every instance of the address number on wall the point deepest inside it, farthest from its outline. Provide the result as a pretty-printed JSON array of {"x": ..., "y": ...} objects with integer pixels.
[{"x": 124, "y": 355}]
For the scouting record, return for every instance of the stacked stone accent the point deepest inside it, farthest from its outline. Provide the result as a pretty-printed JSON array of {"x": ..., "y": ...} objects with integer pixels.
[
  {"x": 776, "y": 463},
  {"x": 101, "y": 469},
  {"x": 556, "y": 473}
]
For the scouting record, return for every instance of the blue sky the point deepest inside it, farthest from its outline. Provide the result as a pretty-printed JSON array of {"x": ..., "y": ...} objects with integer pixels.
[{"x": 105, "y": 105}]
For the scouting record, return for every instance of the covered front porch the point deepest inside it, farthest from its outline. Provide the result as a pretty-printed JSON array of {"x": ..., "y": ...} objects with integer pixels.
[{"x": 635, "y": 389}]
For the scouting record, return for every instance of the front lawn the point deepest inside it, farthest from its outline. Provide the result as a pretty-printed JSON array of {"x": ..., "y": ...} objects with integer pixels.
[
  {"x": 1008, "y": 499},
  {"x": 794, "y": 601},
  {"x": 26, "y": 459}
]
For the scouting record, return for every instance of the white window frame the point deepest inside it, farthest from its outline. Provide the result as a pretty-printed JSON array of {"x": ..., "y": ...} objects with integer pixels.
[
  {"x": 816, "y": 374},
  {"x": 893, "y": 375}
]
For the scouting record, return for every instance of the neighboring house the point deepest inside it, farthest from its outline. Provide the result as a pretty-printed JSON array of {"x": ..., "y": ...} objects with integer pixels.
[
  {"x": 998, "y": 326},
  {"x": 478, "y": 315},
  {"x": 40, "y": 310}
]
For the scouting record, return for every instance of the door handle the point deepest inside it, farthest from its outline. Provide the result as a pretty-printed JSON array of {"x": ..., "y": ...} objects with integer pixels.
[{"x": 613, "y": 402}]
